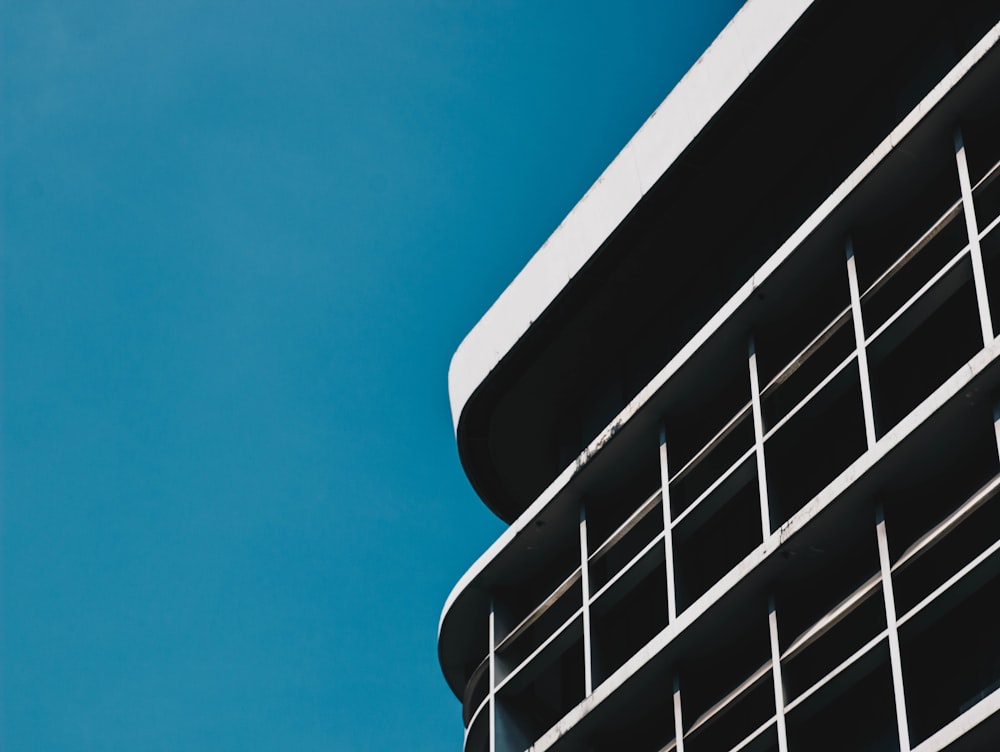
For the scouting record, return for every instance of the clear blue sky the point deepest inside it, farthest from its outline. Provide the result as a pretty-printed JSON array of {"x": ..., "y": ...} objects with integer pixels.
[{"x": 240, "y": 242}]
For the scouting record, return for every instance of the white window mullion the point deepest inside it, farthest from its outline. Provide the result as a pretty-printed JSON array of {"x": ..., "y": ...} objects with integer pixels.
[
  {"x": 668, "y": 536},
  {"x": 678, "y": 716},
  {"x": 975, "y": 251},
  {"x": 588, "y": 663},
  {"x": 859, "y": 344},
  {"x": 779, "y": 684},
  {"x": 493, "y": 678},
  {"x": 895, "y": 660},
  {"x": 758, "y": 432}
]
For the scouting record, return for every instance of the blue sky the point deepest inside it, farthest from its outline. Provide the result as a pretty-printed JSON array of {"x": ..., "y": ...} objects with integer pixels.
[{"x": 240, "y": 241}]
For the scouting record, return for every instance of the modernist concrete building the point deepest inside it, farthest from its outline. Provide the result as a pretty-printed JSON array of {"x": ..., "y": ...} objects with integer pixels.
[{"x": 740, "y": 412}]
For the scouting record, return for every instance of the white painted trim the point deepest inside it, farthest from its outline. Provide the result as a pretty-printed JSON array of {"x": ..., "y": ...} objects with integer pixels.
[
  {"x": 892, "y": 628},
  {"x": 758, "y": 440},
  {"x": 839, "y": 669},
  {"x": 833, "y": 617},
  {"x": 715, "y": 77},
  {"x": 493, "y": 680},
  {"x": 806, "y": 352},
  {"x": 634, "y": 561},
  {"x": 981, "y": 711},
  {"x": 726, "y": 312},
  {"x": 989, "y": 228},
  {"x": 801, "y": 404},
  {"x": 626, "y": 527},
  {"x": 545, "y": 645},
  {"x": 935, "y": 229},
  {"x": 776, "y": 677},
  {"x": 940, "y": 274},
  {"x": 668, "y": 535},
  {"x": 859, "y": 346},
  {"x": 726, "y": 475},
  {"x": 947, "y": 585},
  {"x": 538, "y": 611},
  {"x": 924, "y": 543},
  {"x": 754, "y": 735},
  {"x": 719, "y": 708},
  {"x": 952, "y": 388},
  {"x": 713, "y": 442},
  {"x": 678, "y": 716},
  {"x": 975, "y": 252},
  {"x": 837, "y": 197},
  {"x": 588, "y": 663}
]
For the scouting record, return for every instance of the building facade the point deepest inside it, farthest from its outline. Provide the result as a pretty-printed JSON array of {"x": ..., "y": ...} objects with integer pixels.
[{"x": 741, "y": 412}]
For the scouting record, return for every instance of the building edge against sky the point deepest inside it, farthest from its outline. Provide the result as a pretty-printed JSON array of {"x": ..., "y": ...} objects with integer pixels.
[{"x": 740, "y": 411}]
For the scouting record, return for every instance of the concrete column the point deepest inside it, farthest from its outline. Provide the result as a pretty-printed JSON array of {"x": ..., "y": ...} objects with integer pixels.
[
  {"x": 895, "y": 661},
  {"x": 779, "y": 684},
  {"x": 668, "y": 536},
  {"x": 493, "y": 678},
  {"x": 996, "y": 425},
  {"x": 859, "y": 343},
  {"x": 678, "y": 716},
  {"x": 588, "y": 660},
  {"x": 758, "y": 429},
  {"x": 975, "y": 251}
]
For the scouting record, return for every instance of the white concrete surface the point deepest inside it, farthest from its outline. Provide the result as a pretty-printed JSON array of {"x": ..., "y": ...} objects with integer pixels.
[
  {"x": 724, "y": 314},
  {"x": 714, "y": 78}
]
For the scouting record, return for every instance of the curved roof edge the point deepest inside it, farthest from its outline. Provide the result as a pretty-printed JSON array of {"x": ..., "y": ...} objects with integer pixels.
[
  {"x": 473, "y": 579},
  {"x": 745, "y": 41}
]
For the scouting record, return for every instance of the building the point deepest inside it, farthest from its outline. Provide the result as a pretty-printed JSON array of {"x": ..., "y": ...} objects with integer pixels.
[{"x": 740, "y": 412}]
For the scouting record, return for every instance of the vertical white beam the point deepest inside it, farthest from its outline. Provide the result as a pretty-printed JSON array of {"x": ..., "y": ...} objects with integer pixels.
[
  {"x": 859, "y": 344},
  {"x": 758, "y": 432},
  {"x": 895, "y": 661},
  {"x": 975, "y": 251},
  {"x": 668, "y": 534},
  {"x": 678, "y": 716},
  {"x": 779, "y": 684},
  {"x": 493, "y": 678},
  {"x": 588, "y": 662},
  {"x": 996, "y": 425}
]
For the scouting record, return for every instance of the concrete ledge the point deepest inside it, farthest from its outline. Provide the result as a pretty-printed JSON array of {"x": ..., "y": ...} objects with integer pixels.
[
  {"x": 471, "y": 582},
  {"x": 953, "y": 388},
  {"x": 715, "y": 77}
]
